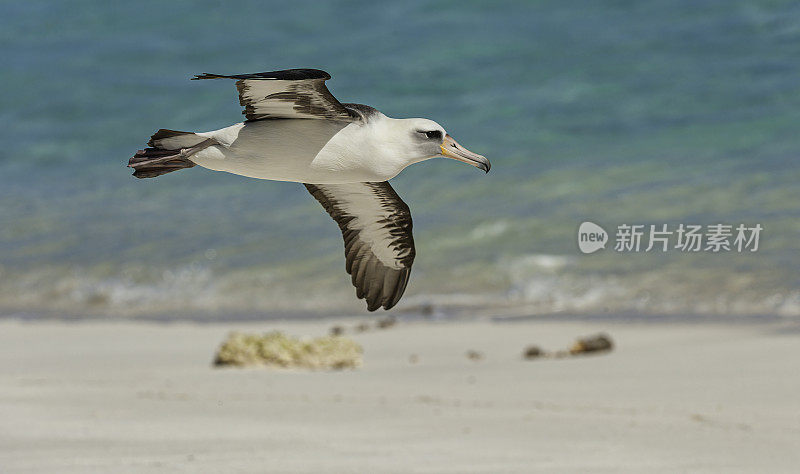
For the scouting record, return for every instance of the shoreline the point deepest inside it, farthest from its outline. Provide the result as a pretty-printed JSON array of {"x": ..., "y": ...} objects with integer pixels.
[{"x": 461, "y": 314}]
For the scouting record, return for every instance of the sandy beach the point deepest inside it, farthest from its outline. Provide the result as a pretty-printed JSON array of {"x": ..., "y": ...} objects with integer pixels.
[{"x": 144, "y": 397}]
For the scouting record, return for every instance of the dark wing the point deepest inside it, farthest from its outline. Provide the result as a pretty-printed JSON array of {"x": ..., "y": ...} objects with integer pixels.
[
  {"x": 294, "y": 93},
  {"x": 378, "y": 245}
]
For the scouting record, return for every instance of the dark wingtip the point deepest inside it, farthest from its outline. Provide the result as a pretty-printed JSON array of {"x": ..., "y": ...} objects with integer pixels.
[
  {"x": 287, "y": 75},
  {"x": 205, "y": 75}
]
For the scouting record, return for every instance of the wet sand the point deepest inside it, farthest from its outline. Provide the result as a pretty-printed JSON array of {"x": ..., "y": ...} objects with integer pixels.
[{"x": 143, "y": 397}]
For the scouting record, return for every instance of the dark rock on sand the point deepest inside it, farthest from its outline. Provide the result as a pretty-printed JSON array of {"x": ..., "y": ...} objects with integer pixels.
[
  {"x": 363, "y": 327},
  {"x": 595, "y": 343},
  {"x": 532, "y": 352},
  {"x": 474, "y": 355},
  {"x": 387, "y": 322}
]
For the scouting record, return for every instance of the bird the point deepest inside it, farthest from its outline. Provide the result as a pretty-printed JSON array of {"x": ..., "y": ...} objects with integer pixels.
[{"x": 343, "y": 153}]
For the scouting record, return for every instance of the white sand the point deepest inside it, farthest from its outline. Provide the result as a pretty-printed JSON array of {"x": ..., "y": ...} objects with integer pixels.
[{"x": 143, "y": 397}]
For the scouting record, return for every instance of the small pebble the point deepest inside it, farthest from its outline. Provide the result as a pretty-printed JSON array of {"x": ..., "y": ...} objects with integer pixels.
[
  {"x": 474, "y": 355},
  {"x": 385, "y": 323},
  {"x": 532, "y": 352},
  {"x": 363, "y": 327}
]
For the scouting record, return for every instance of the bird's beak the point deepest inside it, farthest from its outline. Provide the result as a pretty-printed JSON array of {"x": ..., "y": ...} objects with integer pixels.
[{"x": 451, "y": 149}]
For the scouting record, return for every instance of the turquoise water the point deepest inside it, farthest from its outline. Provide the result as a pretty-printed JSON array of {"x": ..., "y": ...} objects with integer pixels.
[{"x": 612, "y": 112}]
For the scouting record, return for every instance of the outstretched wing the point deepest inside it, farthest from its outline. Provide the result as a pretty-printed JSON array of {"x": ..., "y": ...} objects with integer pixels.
[
  {"x": 293, "y": 93},
  {"x": 378, "y": 245}
]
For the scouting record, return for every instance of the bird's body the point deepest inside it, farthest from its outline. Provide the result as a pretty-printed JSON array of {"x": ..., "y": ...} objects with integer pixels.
[
  {"x": 343, "y": 153},
  {"x": 303, "y": 151}
]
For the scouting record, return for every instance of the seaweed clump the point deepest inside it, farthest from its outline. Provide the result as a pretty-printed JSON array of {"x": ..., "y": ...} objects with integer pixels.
[{"x": 275, "y": 349}]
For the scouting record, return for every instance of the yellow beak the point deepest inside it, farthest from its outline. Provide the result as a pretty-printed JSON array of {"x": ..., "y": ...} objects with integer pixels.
[{"x": 451, "y": 149}]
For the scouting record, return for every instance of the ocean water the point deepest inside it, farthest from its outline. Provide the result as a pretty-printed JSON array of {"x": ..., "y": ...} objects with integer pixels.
[{"x": 614, "y": 112}]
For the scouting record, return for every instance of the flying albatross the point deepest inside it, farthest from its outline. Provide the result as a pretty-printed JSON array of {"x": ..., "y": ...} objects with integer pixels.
[{"x": 344, "y": 154}]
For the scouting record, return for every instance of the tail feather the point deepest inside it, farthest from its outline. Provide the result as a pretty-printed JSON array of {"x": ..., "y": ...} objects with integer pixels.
[
  {"x": 168, "y": 151},
  {"x": 152, "y": 162},
  {"x": 173, "y": 139}
]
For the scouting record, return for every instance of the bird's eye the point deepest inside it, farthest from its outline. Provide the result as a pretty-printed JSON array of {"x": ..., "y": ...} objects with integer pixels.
[{"x": 433, "y": 134}]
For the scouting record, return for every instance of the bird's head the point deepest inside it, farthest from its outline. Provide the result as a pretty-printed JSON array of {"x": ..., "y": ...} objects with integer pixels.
[{"x": 419, "y": 139}]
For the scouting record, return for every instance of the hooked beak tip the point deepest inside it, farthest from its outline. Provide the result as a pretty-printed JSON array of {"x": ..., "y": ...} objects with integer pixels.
[{"x": 451, "y": 149}]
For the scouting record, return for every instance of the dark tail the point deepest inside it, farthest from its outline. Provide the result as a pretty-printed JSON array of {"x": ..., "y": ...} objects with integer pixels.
[
  {"x": 168, "y": 151},
  {"x": 152, "y": 162}
]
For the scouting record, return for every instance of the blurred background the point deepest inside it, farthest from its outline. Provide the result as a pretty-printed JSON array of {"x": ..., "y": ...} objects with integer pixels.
[{"x": 616, "y": 112}]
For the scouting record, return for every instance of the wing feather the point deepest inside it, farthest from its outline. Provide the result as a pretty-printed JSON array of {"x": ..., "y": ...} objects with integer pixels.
[
  {"x": 293, "y": 93},
  {"x": 377, "y": 232}
]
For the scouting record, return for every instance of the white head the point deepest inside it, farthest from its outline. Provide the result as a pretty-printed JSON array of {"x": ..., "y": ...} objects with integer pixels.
[{"x": 408, "y": 141}]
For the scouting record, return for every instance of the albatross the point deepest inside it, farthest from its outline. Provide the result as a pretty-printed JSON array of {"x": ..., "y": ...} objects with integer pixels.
[{"x": 344, "y": 154}]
